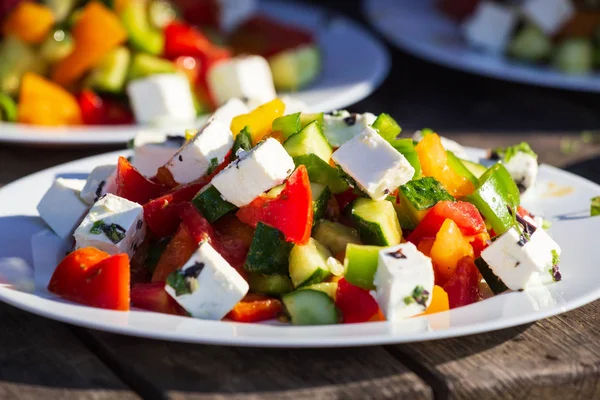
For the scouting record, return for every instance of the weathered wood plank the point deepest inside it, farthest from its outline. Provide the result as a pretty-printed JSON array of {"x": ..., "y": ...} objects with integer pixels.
[
  {"x": 42, "y": 359},
  {"x": 557, "y": 358},
  {"x": 195, "y": 372}
]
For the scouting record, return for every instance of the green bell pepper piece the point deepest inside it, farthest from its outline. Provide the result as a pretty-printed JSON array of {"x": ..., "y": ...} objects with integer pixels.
[
  {"x": 407, "y": 148},
  {"x": 287, "y": 125},
  {"x": 457, "y": 166},
  {"x": 321, "y": 172},
  {"x": 361, "y": 264},
  {"x": 387, "y": 127}
]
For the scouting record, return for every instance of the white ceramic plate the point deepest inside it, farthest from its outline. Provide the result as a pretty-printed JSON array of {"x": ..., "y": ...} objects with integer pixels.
[
  {"x": 420, "y": 29},
  {"x": 354, "y": 64},
  {"x": 562, "y": 197}
]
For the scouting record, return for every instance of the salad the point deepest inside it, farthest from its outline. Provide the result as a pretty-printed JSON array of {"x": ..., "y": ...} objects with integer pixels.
[
  {"x": 562, "y": 33},
  {"x": 308, "y": 218},
  {"x": 67, "y": 62}
]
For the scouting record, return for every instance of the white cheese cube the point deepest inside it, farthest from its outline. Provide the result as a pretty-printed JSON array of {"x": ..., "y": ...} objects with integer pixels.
[
  {"x": 102, "y": 180},
  {"x": 152, "y": 150},
  {"x": 244, "y": 77},
  {"x": 448, "y": 144},
  {"x": 490, "y": 26},
  {"x": 231, "y": 109},
  {"x": 207, "y": 286},
  {"x": 341, "y": 126},
  {"x": 233, "y": 13},
  {"x": 520, "y": 262},
  {"x": 404, "y": 280},
  {"x": 203, "y": 153},
  {"x": 162, "y": 97},
  {"x": 61, "y": 207},
  {"x": 114, "y": 225},
  {"x": 254, "y": 172},
  {"x": 374, "y": 164},
  {"x": 523, "y": 168},
  {"x": 549, "y": 15},
  {"x": 47, "y": 250}
]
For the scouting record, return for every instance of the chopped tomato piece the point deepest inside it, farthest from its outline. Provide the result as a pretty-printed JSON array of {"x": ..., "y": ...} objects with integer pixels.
[
  {"x": 291, "y": 212},
  {"x": 255, "y": 308},
  {"x": 91, "y": 106},
  {"x": 153, "y": 297},
  {"x": 463, "y": 285},
  {"x": 182, "y": 39},
  {"x": 356, "y": 304},
  {"x": 345, "y": 198},
  {"x": 134, "y": 186},
  {"x": 449, "y": 247},
  {"x": 197, "y": 225},
  {"x": 235, "y": 239},
  {"x": 73, "y": 267},
  {"x": 176, "y": 254}
]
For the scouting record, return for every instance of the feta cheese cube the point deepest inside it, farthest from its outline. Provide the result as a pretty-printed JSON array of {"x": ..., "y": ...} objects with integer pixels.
[
  {"x": 114, "y": 225},
  {"x": 102, "y": 180},
  {"x": 404, "y": 281},
  {"x": 490, "y": 26},
  {"x": 61, "y": 207},
  {"x": 207, "y": 286},
  {"x": 203, "y": 153},
  {"x": 254, "y": 172},
  {"x": 162, "y": 97},
  {"x": 523, "y": 168},
  {"x": 520, "y": 262},
  {"x": 233, "y": 13},
  {"x": 152, "y": 150},
  {"x": 374, "y": 164},
  {"x": 549, "y": 15},
  {"x": 341, "y": 126},
  {"x": 231, "y": 109},
  {"x": 244, "y": 77},
  {"x": 47, "y": 250}
]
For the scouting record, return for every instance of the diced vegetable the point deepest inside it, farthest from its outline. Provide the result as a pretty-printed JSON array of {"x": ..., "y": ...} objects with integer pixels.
[
  {"x": 255, "y": 308},
  {"x": 310, "y": 140},
  {"x": 274, "y": 285},
  {"x": 57, "y": 46},
  {"x": 387, "y": 127},
  {"x": 142, "y": 35},
  {"x": 335, "y": 236},
  {"x": 492, "y": 280},
  {"x": 287, "y": 125},
  {"x": 152, "y": 297},
  {"x": 73, "y": 268},
  {"x": 449, "y": 247},
  {"x": 17, "y": 58},
  {"x": 530, "y": 44},
  {"x": 355, "y": 304},
  {"x": 475, "y": 168},
  {"x": 322, "y": 172},
  {"x": 307, "y": 118},
  {"x": 269, "y": 252},
  {"x": 310, "y": 307},
  {"x": 574, "y": 56},
  {"x": 595, "y": 206},
  {"x": 211, "y": 204},
  {"x": 329, "y": 288},
  {"x": 259, "y": 120},
  {"x": 8, "y": 108},
  {"x": 308, "y": 263},
  {"x": 361, "y": 265},
  {"x": 29, "y": 21},
  {"x": 407, "y": 148},
  {"x": 439, "y": 301},
  {"x": 176, "y": 254},
  {"x": 320, "y": 198},
  {"x": 415, "y": 198},
  {"x": 457, "y": 165},
  {"x": 133, "y": 186},
  {"x": 110, "y": 74},
  {"x": 377, "y": 222},
  {"x": 61, "y": 8},
  {"x": 143, "y": 65},
  {"x": 463, "y": 286},
  {"x": 295, "y": 67},
  {"x": 243, "y": 141}
]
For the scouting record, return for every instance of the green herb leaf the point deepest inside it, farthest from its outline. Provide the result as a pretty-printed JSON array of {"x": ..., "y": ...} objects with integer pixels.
[
  {"x": 408, "y": 300},
  {"x": 595, "y": 207},
  {"x": 419, "y": 296},
  {"x": 178, "y": 281},
  {"x": 243, "y": 141},
  {"x": 213, "y": 165},
  {"x": 97, "y": 227},
  {"x": 546, "y": 224},
  {"x": 114, "y": 232},
  {"x": 507, "y": 153},
  {"x": 555, "y": 257}
]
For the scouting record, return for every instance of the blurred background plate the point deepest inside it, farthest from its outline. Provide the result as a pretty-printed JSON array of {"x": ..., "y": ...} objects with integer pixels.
[
  {"x": 419, "y": 28},
  {"x": 354, "y": 65}
]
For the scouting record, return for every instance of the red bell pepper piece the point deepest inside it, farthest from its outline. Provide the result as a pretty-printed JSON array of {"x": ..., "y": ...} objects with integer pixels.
[
  {"x": 291, "y": 212},
  {"x": 182, "y": 39},
  {"x": 134, "y": 186},
  {"x": 152, "y": 297},
  {"x": 356, "y": 304},
  {"x": 463, "y": 285},
  {"x": 161, "y": 214},
  {"x": 255, "y": 308},
  {"x": 464, "y": 214}
]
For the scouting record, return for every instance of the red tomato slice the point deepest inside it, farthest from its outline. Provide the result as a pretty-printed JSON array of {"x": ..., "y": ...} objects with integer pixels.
[
  {"x": 345, "y": 198},
  {"x": 356, "y": 304},
  {"x": 73, "y": 267},
  {"x": 134, "y": 186},
  {"x": 176, "y": 254},
  {"x": 152, "y": 297},
  {"x": 235, "y": 239},
  {"x": 199, "y": 228},
  {"x": 255, "y": 308},
  {"x": 463, "y": 285},
  {"x": 92, "y": 108},
  {"x": 464, "y": 214},
  {"x": 291, "y": 212}
]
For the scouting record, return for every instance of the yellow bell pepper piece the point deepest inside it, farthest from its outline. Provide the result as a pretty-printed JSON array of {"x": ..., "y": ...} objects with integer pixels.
[
  {"x": 439, "y": 301},
  {"x": 450, "y": 246},
  {"x": 29, "y": 21},
  {"x": 259, "y": 120}
]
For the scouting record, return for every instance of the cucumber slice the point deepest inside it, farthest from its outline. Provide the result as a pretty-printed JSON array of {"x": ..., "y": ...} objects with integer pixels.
[
  {"x": 361, "y": 265},
  {"x": 8, "y": 108},
  {"x": 310, "y": 307},
  {"x": 269, "y": 252},
  {"x": 459, "y": 167},
  {"x": 57, "y": 46},
  {"x": 574, "y": 56},
  {"x": 415, "y": 198},
  {"x": 306, "y": 119},
  {"x": 143, "y": 65},
  {"x": 320, "y": 171},
  {"x": 475, "y": 168},
  {"x": 492, "y": 280},
  {"x": 142, "y": 35},
  {"x": 273, "y": 285},
  {"x": 530, "y": 44},
  {"x": 377, "y": 222},
  {"x": 387, "y": 127},
  {"x": 406, "y": 147},
  {"x": 211, "y": 204},
  {"x": 287, "y": 125},
  {"x": 310, "y": 140},
  {"x": 295, "y": 68},
  {"x": 335, "y": 236},
  {"x": 110, "y": 75},
  {"x": 320, "y": 197},
  {"x": 243, "y": 140},
  {"x": 308, "y": 264},
  {"x": 329, "y": 288}
]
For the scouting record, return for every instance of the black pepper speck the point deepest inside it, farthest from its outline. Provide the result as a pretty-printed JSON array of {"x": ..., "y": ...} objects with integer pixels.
[
  {"x": 351, "y": 120},
  {"x": 180, "y": 157}
]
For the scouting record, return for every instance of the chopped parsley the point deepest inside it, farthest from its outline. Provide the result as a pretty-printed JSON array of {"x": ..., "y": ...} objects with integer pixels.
[
  {"x": 114, "y": 232},
  {"x": 507, "y": 153},
  {"x": 186, "y": 281},
  {"x": 419, "y": 296},
  {"x": 546, "y": 224},
  {"x": 595, "y": 207},
  {"x": 555, "y": 257},
  {"x": 212, "y": 165},
  {"x": 554, "y": 271}
]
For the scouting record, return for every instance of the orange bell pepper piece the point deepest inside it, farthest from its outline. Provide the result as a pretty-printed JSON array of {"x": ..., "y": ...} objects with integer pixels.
[
  {"x": 42, "y": 102},
  {"x": 96, "y": 33},
  {"x": 29, "y": 21},
  {"x": 434, "y": 163},
  {"x": 439, "y": 301},
  {"x": 259, "y": 120},
  {"x": 449, "y": 247},
  {"x": 179, "y": 250}
]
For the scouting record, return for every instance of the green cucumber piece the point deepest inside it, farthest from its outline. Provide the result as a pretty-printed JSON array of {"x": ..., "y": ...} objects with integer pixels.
[
  {"x": 475, "y": 168},
  {"x": 361, "y": 264},
  {"x": 387, "y": 127},
  {"x": 273, "y": 285},
  {"x": 269, "y": 252},
  {"x": 406, "y": 147},
  {"x": 377, "y": 222},
  {"x": 416, "y": 197},
  {"x": 574, "y": 56},
  {"x": 8, "y": 108},
  {"x": 459, "y": 167},
  {"x": 310, "y": 307},
  {"x": 161, "y": 13},
  {"x": 308, "y": 263},
  {"x": 320, "y": 197},
  {"x": 530, "y": 44},
  {"x": 17, "y": 58},
  {"x": 143, "y": 65},
  {"x": 310, "y": 140},
  {"x": 492, "y": 280},
  {"x": 320, "y": 171},
  {"x": 295, "y": 68},
  {"x": 56, "y": 46},
  {"x": 306, "y": 119},
  {"x": 335, "y": 236},
  {"x": 329, "y": 288},
  {"x": 287, "y": 125},
  {"x": 243, "y": 141},
  {"x": 142, "y": 35},
  {"x": 111, "y": 73},
  {"x": 211, "y": 204}
]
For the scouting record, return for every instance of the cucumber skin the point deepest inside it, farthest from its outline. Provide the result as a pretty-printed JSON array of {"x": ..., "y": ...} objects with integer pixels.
[
  {"x": 303, "y": 261},
  {"x": 310, "y": 140},
  {"x": 321, "y": 172},
  {"x": 460, "y": 168},
  {"x": 335, "y": 236},
  {"x": 492, "y": 280},
  {"x": 371, "y": 232},
  {"x": 320, "y": 204},
  {"x": 315, "y": 308},
  {"x": 387, "y": 127},
  {"x": 211, "y": 205},
  {"x": 269, "y": 252},
  {"x": 274, "y": 285}
]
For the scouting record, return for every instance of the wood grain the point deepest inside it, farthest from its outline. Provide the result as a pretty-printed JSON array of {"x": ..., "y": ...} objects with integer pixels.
[
  {"x": 42, "y": 359},
  {"x": 188, "y": 371}
]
